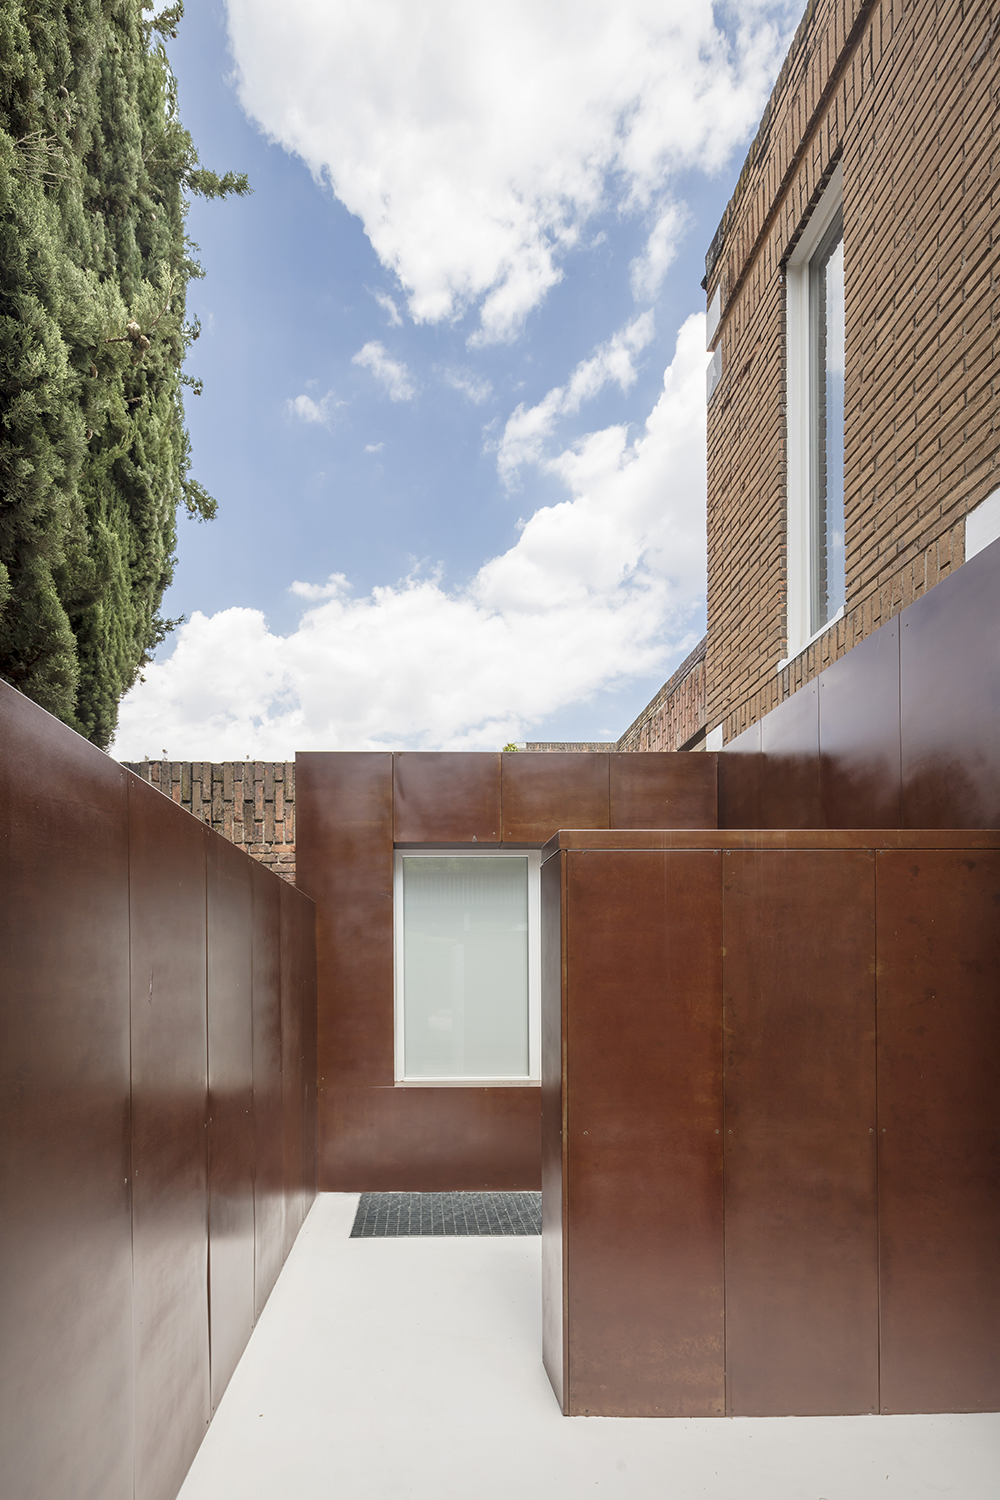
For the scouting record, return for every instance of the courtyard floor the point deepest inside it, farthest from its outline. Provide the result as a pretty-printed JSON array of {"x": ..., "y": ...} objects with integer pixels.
[{"x": 410, "y": 1369}]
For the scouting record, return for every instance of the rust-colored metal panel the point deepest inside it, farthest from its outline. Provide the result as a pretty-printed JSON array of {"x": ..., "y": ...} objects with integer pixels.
[
  {"x": 643, "y": 1153},
  {"x": 299, "y": 970},
  {"x": 446, "y": 797},
  {"x": 949, "y": 677},
  {"x": 430, "y": 1139},
  {"x": 292, "y": 1063},
  {"x": 554, "y": 1346},
  {"x": 789, "y": 769},
  {"x": 65, "y": 1240},
  {"x": 372, "y": 1135},
  {"x": 939, "y": 1137},
  {"x": 344, "y": 862},
  {"x": 801, "y": 1222},
  {"x": 167, "y": 856},
  {"x": 543, "y": 791},
  {"x": 307, "y": 941},
  {"x": 661, "y": 789},
  {"x": 859, "y": 767},
  {"x": 230, "y": 1109},
  {"x": 269, "y": 1178},
  {"x": 739, "y": 781}
]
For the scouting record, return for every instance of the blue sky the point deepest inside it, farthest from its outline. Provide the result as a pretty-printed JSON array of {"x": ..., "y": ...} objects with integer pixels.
[{"x": 458, "y": 503}]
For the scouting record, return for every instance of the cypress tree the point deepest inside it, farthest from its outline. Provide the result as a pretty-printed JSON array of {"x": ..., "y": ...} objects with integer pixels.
[{"x": 95, "y": 169}]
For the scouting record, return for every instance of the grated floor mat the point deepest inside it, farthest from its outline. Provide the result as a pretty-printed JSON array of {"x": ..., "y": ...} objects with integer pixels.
[{"x": 392, "y": 1215}]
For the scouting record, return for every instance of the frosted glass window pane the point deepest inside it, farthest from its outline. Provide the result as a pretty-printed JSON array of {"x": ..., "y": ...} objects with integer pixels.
[{"x": 465, "y": 967}]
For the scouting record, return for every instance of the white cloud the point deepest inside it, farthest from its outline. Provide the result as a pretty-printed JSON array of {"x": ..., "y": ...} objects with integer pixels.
[
  {"x": 336, "y": 585},
  {"x": 389, "y": 307},
  {"x": 391, "y": 372},
  {"x": 474, "y": 142},
  {"x": 474, "y": 388},
  {"x": 308, "y": 410},
  {"x": 649, "y": 268},
  {"x": 374, "y": 447},
  {"x": 612, "y": 363},
  {"x": 607, "y": 584}
]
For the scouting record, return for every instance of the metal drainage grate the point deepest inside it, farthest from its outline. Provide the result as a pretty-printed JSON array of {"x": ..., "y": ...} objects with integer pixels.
[{"x": 393, "y": 1215}]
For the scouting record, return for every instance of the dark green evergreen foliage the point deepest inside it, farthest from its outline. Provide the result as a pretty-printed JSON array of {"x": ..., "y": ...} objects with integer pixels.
[{"x": 94, "y": 266}]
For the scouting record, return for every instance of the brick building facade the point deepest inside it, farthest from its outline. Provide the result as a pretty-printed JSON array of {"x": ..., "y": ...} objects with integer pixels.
[{"x": 903, "y": 98}]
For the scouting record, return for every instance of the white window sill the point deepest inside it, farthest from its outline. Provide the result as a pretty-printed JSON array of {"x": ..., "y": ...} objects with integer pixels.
[
  {"x": 812, "y": 640},
  {"x": 982, "y": 525},
  {"x": 468, "y": 1083}
]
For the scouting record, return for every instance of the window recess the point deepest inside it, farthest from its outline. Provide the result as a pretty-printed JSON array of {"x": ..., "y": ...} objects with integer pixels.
[
  {"x": 467, "y": 967},
  {"x": 815, "y": 344}
]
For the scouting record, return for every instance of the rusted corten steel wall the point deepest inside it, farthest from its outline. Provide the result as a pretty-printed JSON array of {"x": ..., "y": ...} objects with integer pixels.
[
  {"x": 905, "y": 97},
  {"x": 902, "y": 732},
  {"x": 157, "y": 1115},
  {"x": 353, "y": 810},
  {"x": 771, "y": 1156}
]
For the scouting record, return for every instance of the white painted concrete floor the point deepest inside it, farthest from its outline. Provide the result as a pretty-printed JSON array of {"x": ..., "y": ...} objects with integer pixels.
[{"x": 412, "y": 1368}]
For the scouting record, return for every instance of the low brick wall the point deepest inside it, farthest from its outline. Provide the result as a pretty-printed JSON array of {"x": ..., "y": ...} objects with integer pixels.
[
  {"x": 250, "y": 802},
  {"x": 672, "y": 720},
  {"x": 563, "y": 745},
  {"x": 676, "y": 716}
]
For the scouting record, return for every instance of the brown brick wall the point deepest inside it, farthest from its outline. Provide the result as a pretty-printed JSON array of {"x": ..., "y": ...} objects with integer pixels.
[
  {"x": 250, "y": 802},
  {"x": 564, "y": 745},
  {"x": 906, "y": 96},
  {"x": 677, "y": 713}
]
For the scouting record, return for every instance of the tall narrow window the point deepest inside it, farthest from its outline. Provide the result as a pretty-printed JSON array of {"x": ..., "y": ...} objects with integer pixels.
[
  {"x": 826, "y": 415},
  {"x": 466, "y": 956},
  {"x": 815, "y": 329}
]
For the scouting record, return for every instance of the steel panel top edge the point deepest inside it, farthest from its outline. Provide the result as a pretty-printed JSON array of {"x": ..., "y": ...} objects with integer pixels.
[{"x": 773, "y": 839}]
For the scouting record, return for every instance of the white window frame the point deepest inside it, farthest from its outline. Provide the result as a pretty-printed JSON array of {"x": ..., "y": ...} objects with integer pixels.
[
  {"x": 982, "y": 525},
  {"x": 533, "y": 859},
  {"x": 799, "y": 581}
]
